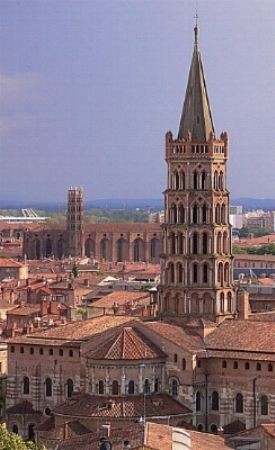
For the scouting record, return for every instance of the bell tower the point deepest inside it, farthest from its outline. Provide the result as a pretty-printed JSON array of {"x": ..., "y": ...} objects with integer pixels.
[
  {"x": 196, "y": 264},
  {"x": 75, "y": 222}
]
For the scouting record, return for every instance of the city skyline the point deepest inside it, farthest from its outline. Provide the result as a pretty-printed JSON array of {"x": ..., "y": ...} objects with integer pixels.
[{"x": 88, "y": 91}]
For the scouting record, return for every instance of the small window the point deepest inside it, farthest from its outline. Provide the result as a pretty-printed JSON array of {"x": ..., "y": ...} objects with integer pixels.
[
  {"x": 71, "y": 353},
  {"x": 41, "y": 351},
  {"x": 258, "y": 366},
  {"x": 199, "y": 363},
  {"x": 21, "y": 349},
  {"x": 183, "y": 364},
  {"x": 247, "y": 366},
  {"x": 12, "y": 349},
  {"x": 224, "y": 364},
  {"x": 15, "y": 429},
  {"x": 31, "y": 350},
  {"x": 61, "y": 352},
  {"x": 270, "y": 367},
  {"x": 175, "y": 358},
  {"x": 235, "y": 365},
  {"x": 50, "y": 351}
]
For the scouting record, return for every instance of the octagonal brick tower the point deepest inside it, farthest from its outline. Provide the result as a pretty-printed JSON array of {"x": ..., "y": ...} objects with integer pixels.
[{"x": 196, "y": 264}]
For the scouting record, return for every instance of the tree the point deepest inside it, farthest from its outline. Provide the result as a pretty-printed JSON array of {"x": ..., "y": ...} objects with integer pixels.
[
  {"x": 11, "y": 441},
  {"x": 75, "y": 270}
]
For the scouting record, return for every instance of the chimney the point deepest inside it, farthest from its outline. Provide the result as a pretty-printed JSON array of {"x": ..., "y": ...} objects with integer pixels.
[
  {"x": 44, "y": 308},
  {"x": 243, "y": 304},
  {"x": 54, "y": 307},
  {"x": 87, "y": 282}
]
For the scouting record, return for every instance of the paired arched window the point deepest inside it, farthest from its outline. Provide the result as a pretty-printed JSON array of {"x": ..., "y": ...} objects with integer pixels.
[
  {"x": 179, "y": 273},
  {"x": 181, "y": 214},
  {"x": 26, "y": 386},
  {"x": 195, "y": 273},
  {"x": 205, "y": 243},
  {"x": 195, "y": 214},
  {"x": 70, "y": 387},
  {"x": 48, "y": 387},
  {"x": 204, "y": 214},
  {"x": 172, "y": 240},
  {"x": 264, "y": 405},
  {"x": 195, "y": 180},
  {"x": 171, "y": 273},
  {"x": 195, "y": 245},
  {"x": 203, "y": 180},
  {"x": 239, "y": 403},
  {"x": 215, "y": 401}
]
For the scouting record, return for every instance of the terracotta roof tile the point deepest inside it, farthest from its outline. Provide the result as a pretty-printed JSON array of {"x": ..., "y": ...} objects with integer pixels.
[
  {"x": 10, "y": 263},
  {"x": 85, "y": 405},
  {"x": 119, "y": 298},
  {"x": 239, "y": 335},
  {"x": 127, "y": 343},
  {"x": 24, "y": 407}
]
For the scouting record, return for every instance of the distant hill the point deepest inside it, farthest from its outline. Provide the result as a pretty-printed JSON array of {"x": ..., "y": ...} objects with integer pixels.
[{"x": 128, "y": 203}]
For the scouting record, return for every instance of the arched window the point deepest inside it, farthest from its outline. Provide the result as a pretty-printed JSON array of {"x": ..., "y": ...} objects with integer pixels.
[
  {"x": 48, "y": 387},
  {"x": 221, "y": 181},
  {"x": 229, "y": 302},
  {"x": 198, "y": 401},
  {"x": 157, "y": 385},
  {"x": 115, "y": 387},
  {"x": 138, "y": 250},
  {"x": 215, "y": 401},
  {"x": 195, "y": 180},
  {"x": 203, "y": 180},
  {"x": 216, "y": 180},
  {"x": 15, "y": 429},
  {"x": 172, "y": 239},
  {"x": 175, "y": 358},
  {"x": 195, "y": 214},
  {"x": 182, "y": 180},
  {"x": 226, "y": 273},
  {"x": 223, "y": 214},
  {"x": 222, "y": 302},
  {"x": 154, "y": 248},
  {"x": 177, "y": 180},
  {"x": 195, "y": 273},
  {"x": 204, "y": 214},
  {"x": 258, "y": 366},
  {"x": 175, "y": 388},
  {"x": 171, "y": 273},
  {"x": 103, "y": 248},
  {"x": 220, "y": 273},
  {"x": 181, "y": 214},
  {"x": 219, "y": 243},
  {"x": 179, "y": 273},
  {"x": 101, "y": 387},
  {"x": 121, "y": 250},
  {"x": 48, "y": 249},
  {"x": 173, "y": 214},
  {"x": 60, "y": 248},
  {"x": 183, "y": 364},
  {"x": 146, "y": 386},
  {"x": 70, "y": 387},
  {"x": 131, "y": 387},
  {"x": 239, "y": 404},
  {"x": 37, "y": 247},
  {"x": 26, "y": 386},
  {"x": 205, "y": 273},
  {"x": 264, "y": 405},
  {"x": 205, "y": 243},
  {"x": 270, "y": 367},
  {"x": 195, "y": 244},
  {"x": 218, "y": 214},
  {"x": 180, "y": 243},
  {"x": 225, "y": 243},
  {"x": 89, "y": 248},
  {"x": 31, "y": 434}
]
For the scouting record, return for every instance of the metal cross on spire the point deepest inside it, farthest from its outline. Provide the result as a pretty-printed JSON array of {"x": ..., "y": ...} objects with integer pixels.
[{"x": 196, "y": 29}]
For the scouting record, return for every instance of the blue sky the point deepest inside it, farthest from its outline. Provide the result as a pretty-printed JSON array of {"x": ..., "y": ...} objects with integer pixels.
[{"x": 89, "y": 88}]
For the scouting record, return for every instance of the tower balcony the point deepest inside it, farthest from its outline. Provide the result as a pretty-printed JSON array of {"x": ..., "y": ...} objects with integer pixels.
[{"x": 186, "y": 148}]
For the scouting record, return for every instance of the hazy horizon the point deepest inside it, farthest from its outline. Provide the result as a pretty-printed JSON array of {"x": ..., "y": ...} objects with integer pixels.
[{"x": 89, "y": 89}]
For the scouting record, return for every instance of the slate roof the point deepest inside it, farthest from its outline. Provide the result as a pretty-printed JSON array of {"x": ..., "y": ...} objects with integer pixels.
[
  {"x": 127, "y": 343},
  {"x": 196, "y": 114}
]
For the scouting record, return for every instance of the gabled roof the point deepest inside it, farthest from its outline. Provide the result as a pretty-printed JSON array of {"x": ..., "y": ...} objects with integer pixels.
[
  {"x": 196, "y": 114},
  {"x": 125, "y": 343}
]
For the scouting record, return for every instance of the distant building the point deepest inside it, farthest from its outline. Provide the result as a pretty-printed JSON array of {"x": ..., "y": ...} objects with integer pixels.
[{"x": 236, "y": 216}]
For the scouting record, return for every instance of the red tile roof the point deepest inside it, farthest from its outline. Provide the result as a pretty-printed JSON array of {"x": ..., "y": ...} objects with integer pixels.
[
  {"x": 125, "y": 343},
  {"x": 10, "y": 263},
  {"x": 86, "y": 405},
  {"x": 119, "y": 298},
  {"x": 24, "y": 310},
  {"x": 239, "y": 335}
]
